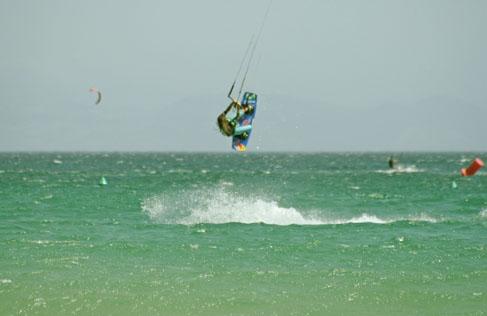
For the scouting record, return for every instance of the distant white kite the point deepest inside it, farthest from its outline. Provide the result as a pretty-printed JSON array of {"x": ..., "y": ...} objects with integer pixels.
[{"x": 95, "y": 90}]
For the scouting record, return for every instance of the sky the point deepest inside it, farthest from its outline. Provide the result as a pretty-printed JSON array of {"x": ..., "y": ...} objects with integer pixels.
[{"x": 341, "y": 75}]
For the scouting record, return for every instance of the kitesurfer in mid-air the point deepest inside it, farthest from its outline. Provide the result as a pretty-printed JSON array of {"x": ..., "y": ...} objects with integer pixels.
[{"x": 230, "y": 127}]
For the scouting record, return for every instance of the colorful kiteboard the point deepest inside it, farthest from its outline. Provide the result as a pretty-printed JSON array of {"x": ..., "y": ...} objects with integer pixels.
[{"x": 239, "y": 142}]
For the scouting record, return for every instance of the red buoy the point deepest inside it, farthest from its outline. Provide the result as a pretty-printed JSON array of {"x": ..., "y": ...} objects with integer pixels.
[{"x": 473, "y": 168}]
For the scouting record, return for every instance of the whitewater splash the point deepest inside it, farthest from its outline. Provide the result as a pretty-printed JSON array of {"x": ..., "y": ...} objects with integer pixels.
[
  {"x": 402, "y": 169},
  {"x": 219, "y": 206},
  {"x": 365, "y": 218}
]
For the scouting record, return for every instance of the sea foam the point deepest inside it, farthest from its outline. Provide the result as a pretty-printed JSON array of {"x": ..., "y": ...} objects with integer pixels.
[
  {"x": 219, "y": 206},
  {"x": 401, "y": 169}
]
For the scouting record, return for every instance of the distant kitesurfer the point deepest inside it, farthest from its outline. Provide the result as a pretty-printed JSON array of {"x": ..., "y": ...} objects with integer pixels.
[
  {"x": 230, "y": 127},
  {"x": 391, "y": 162}
]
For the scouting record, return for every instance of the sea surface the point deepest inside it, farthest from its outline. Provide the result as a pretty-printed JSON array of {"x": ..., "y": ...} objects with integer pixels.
[{"x": 251, "y": 234}]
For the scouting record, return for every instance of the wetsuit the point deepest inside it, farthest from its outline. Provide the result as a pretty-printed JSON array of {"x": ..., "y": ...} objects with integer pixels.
[{"x": 231, "y": 127}]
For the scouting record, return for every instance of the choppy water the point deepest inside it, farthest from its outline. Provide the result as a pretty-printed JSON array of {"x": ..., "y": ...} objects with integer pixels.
[{"x": 254, "y": 234}]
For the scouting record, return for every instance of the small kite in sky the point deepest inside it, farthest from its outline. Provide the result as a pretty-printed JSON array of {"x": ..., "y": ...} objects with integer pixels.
[{"x": 95, "y": 90}]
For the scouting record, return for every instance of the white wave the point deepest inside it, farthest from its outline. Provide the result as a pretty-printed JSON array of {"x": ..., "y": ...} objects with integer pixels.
[
  {"x": 423, "y": 218},
  {"x": 483, "y": 213},
  {"x": 402, "y": 169},
  {"x": 364, "y": 218},
  {"x": 218, "y": 206},
  {"x": 372, "y": 219}
]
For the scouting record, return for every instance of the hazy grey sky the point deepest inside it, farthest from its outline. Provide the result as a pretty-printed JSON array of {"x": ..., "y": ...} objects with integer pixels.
[{"x": 331, "y": 75}]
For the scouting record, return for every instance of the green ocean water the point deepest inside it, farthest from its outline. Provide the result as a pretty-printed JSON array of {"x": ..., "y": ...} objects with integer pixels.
[{"x": 252, "y": 234}]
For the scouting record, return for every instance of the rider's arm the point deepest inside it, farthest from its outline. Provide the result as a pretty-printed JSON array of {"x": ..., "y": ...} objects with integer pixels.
[
  {"x": 228, "y": 108},
  {"x": 237, "y": 106}
]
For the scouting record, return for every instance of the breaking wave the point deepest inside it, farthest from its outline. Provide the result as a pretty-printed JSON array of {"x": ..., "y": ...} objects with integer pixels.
[
  {"x": 401, "y": 169},
  {"x": 217, "y": 206}
]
